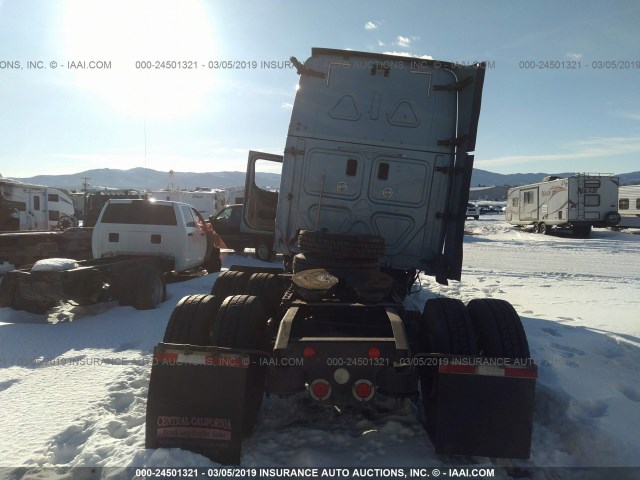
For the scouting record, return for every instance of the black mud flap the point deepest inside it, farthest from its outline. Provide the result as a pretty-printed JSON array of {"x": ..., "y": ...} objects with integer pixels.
[
  {"x": 483, "y": 407},
  {"x": 196, "y": 400}
]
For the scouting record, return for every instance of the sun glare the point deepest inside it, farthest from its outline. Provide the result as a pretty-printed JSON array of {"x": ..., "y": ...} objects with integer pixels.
[{"x": 136, "y": 37}]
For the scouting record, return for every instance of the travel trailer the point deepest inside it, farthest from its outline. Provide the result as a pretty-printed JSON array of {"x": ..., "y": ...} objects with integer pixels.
[
  {"x": 577, "y": 203},
  {"x": 629, "y": 206},
  {"x": 26, "y": 206},
  {"x": 207, "y": 202}
]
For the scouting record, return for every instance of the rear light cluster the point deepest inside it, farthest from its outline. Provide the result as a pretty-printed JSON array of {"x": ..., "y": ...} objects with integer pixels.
[{"x": 320, "y": 389}]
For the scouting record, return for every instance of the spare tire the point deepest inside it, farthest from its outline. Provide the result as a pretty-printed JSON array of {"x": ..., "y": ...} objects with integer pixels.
[
  {"x": 340, "y": 244},
  {"x": 336, "y": 266},
  {"x": 612, "y": 219}
]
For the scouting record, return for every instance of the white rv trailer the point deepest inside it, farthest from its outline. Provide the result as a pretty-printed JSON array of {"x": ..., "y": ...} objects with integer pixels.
[
  {"x": 629, "y": 206},
  {"x": 26, "y": 206},
  {"x": 577, "y": 203},
  {"x": 207, "y": 202}
]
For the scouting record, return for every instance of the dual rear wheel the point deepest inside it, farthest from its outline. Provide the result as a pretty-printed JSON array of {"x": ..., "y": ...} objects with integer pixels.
[
  {"x": 485, "y": 327},
  {"x": 234, "y": 316}
]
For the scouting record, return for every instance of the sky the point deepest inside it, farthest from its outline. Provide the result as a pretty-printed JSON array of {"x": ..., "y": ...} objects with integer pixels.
[{"x": 561, "y": 90}]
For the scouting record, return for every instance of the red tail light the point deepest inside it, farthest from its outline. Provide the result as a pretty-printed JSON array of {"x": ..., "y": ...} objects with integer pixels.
[
  {"x": 363, "y": 390},
  {"x": 320, "y": 389}
]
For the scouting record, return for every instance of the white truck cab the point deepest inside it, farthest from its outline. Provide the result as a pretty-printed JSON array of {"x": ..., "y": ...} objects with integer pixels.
[{"x": 151, "y": 227}]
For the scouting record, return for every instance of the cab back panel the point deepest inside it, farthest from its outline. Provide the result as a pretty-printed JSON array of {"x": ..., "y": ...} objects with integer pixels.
[
  {"x": 375, "y": 192},
  {"x": 370, "y": 150}
]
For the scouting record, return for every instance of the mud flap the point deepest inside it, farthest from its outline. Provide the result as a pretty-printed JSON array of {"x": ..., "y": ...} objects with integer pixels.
[
  {"x": 196, "y": 400},
  {"x": 483, "y": 408}
]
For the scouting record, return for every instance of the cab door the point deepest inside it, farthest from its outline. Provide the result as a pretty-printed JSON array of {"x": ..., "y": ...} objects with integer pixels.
[
  {"x": 260, "y": 196},
  {"x": 196, "y": 241}
]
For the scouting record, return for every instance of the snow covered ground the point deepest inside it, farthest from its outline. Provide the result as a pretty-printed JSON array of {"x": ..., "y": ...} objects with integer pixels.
[{"x": 73, "y": 385}]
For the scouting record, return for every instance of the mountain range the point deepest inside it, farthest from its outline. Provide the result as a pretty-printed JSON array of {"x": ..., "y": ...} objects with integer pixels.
[{"x": 149, "y": 179}]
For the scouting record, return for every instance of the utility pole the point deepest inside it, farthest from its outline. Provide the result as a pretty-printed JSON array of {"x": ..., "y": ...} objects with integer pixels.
[{"x": 84, "y": 189}]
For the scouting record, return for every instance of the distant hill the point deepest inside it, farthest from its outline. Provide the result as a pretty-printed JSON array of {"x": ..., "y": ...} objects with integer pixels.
[
  {"x": 485, "y": 178},
  {"x": 148, "y": 179}
]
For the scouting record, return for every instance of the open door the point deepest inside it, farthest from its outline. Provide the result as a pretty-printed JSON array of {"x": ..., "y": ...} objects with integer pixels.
[{"x": 261, "y": 193}]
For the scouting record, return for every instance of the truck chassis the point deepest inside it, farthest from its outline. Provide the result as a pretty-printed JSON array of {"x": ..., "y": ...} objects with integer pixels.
[
  {"x": 132, "y": 280},
  {"x": 344, "y": 339}
]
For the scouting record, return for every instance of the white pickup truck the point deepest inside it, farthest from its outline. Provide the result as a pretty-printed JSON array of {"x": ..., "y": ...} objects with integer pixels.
[{"x": 134, "y": 243}]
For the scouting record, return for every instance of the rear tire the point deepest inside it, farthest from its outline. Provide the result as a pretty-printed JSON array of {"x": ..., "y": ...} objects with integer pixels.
[
  {"x": 231, "y": 282},
  {"x": 241, "y": 323},
  {"x": 269, "y": 288},
  {"x": 543, "y": 229},
  {"x": 149, "y": 288},
  {"x": 192, "y": 320},
  {"x": 446, "y": 328},
  {"x": 499, "y": 329}
]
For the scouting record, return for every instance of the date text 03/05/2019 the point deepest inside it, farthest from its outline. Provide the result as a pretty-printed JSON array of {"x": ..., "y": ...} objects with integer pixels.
[
  {"x": 314, "y": 472},
  {"x": 579, "y": 65},
  {"x": 213, "y": 65}
]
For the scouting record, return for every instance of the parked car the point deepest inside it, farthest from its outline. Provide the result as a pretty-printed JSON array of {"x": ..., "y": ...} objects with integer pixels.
[
  {"x": 488, "y": 210},
  {"x": 227, "y": 222},
  {"x": 473, "y": 211}
]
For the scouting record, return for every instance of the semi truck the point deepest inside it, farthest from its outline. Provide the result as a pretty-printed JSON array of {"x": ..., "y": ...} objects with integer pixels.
[
  {"x": 576, "y": 203},
  {"x": 374, "y": 189}
]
